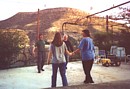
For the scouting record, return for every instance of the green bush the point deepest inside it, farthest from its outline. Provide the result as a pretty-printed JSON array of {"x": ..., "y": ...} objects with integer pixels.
[{"x": 11, "y": 43}]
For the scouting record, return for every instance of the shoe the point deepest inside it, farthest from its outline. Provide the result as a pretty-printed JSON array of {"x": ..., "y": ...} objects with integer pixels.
[
  {"x": 91, "y": 82},
  {"x": 85, "y": 81},
  {"x": 88, "y": 82},
  {"x": 39, "y": 71},
  {"x": 42, "y": 69}
]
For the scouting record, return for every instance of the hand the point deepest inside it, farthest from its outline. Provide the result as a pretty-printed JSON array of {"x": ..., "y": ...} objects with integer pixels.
[{"x": 73, "y": 53}]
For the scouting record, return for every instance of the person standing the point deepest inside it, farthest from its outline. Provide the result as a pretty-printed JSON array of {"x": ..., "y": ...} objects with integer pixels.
[
  {"x": 56, "y": 51},
  {"x": 40, "y": 46},
  {"x": 86, "y": 47},
  {"x": 69, "y": 47}
]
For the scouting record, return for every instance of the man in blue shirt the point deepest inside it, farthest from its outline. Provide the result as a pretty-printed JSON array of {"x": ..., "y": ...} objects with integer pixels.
[{"x": 86, "y": 47}]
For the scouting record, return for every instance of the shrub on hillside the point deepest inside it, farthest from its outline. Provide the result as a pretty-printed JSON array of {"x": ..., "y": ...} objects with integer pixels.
[{"x": 11, "y": 43}]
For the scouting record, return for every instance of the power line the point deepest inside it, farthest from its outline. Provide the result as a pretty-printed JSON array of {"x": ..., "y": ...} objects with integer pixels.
[
  {"x": 75, "y": 23},
  {"x": 106, "y": 9}
]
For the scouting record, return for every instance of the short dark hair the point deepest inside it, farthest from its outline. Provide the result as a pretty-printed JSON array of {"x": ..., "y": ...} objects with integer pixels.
[
  {"x": 86, "y": 31},
  {"x": 40, "y": 34}
]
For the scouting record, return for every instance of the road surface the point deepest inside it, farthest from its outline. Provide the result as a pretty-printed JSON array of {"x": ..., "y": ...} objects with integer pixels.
[{"x": 28, "y": 78}]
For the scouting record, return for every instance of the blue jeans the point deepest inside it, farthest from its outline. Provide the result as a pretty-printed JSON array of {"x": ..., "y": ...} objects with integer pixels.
[{"x": 62, "y": 69}]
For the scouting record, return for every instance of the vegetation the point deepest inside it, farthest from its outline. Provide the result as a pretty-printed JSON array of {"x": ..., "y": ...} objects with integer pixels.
[
  {"x": 123, "y": 39},
  {"x": 51, "y": 20},
  {"x": 105, "y": 40},
  {"x": 11, "y": 43}
]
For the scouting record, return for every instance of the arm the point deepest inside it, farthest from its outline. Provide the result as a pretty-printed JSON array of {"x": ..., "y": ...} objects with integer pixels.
[
  {"x": 66, "y": 50},
  {"x": 33, "y": 50},
  {"x": 49, "y": 57},
  {"x": 69, "y": 53},
  {"x": 76, "y": 51},
  {"x": 79, "y": 47},
  {"x": 34, "y": 47},
  {"x": 70, "y": 46}
]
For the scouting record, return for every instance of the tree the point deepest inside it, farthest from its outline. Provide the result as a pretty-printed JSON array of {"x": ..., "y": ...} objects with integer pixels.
[
  {"x": 125, "y": 14},
  {"x": 124, "y": 40},
  {"x": 124, "y": 34},
  {"x": 104, "y": 40},
  {"x": 11, "y": 43}
]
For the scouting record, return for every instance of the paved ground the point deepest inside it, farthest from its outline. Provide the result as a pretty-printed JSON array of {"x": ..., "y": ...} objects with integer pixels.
[
  {"x": 111, "y": 85},
  {"x": 28, "y": 78}
]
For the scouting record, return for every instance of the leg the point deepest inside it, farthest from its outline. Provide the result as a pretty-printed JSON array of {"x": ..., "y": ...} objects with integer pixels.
[
  {"x": 43, "y": 60},
  {"x": 87, "y": 66},
  {"x": 54, "y": 74},
  {"x": 84, "y": 68},
  {"x": 62, "y": 68},
  {"x": 39, "y": 62},
  {"x": 67, "y": 59},
  {"x": 90, "y": 64}
]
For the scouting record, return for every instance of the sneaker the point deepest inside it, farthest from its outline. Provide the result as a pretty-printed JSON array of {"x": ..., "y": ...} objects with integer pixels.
[
  {"x": 91, "y": 82},
  {"x": 39, "y": 71},
  {"x": 42, "y": 69},
  {"x": 86, "y": 82}
]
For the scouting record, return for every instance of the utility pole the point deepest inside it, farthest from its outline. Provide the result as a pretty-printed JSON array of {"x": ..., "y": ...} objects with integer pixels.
[
  {"x": 38, "y": 25},
  {"x": 107, "y": 23}
]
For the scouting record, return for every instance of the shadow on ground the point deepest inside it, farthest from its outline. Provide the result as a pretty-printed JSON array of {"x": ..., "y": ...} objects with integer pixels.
[{"x": 110, "y": 85}]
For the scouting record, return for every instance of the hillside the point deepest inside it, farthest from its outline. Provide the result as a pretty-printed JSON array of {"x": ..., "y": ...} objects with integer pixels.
[
  {"x": 52, "y": 20},
  {"x": 48, "y": 18}
]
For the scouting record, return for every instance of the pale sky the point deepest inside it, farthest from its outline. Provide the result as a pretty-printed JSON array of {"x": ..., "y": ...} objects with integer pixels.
[{"x": 9, "y": 8}]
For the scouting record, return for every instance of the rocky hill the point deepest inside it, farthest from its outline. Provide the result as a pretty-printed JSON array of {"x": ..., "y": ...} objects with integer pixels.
[
  {"x": 52, "y": 20},
  {"x": 49, "y": 18}
]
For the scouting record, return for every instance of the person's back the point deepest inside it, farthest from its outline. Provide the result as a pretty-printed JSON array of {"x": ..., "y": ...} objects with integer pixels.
[
  {"x": 57, "y": 50},
  {"x": 86, "y": 47},
  {"x": 87, "y": 50},
  {"x": 58, "y": 53}
]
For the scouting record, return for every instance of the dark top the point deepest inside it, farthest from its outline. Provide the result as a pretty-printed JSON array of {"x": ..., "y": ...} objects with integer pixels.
[
  {"x": 40, "y": 45},
  {"x": 69, "y": 46}
]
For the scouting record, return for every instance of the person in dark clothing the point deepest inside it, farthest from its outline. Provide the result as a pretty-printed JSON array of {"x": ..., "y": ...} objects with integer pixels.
[
  {"x": 69, "y": 47},
  {"x": 86, "y": 47},
  {"x": 40, "y": 46}
]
